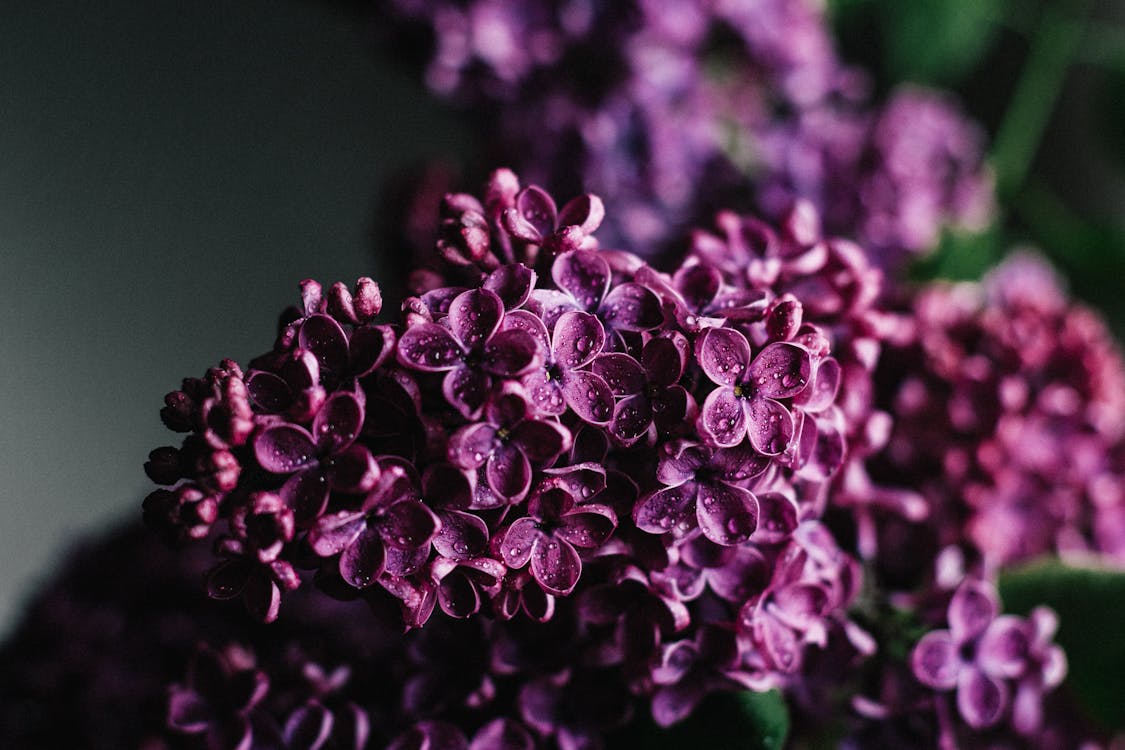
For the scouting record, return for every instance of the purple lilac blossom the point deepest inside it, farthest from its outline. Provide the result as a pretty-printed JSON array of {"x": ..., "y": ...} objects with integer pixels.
[
  {"x": 557, "y": 412},
  {"x": 1009, "y": 405},
  {"x": 673, "y": 108}
]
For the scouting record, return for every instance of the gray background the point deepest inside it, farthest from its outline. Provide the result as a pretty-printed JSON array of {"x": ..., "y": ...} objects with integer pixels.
[{"x": 169, "y": 170}]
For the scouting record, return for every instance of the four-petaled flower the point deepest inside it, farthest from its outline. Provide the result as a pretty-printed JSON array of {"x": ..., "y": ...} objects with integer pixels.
[{"x": 746, "y": 401}]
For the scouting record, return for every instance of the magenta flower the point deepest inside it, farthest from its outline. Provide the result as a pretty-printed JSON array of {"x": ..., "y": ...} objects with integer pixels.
[
  {"x": 508, "y": 444},
  {"x": 331, "y": 460},
  {"x": 702, "y": 492},
  {"x": 563, "y": 381},
  {"x": 649, "y": 393},
  {"x": 471, "y": 348},
  {"x": 391, "y": 531},
  {"x": 981, "y": 652},
  {"x": 746, "y": 401},
  {"x": 550, "y": 536}
]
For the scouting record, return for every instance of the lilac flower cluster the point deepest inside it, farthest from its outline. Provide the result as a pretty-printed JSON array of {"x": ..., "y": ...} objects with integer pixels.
[
  {"x": 685, "y": 106},
  {"x": 557, "y": 437},
  {"x": 1009, "y": 406}
]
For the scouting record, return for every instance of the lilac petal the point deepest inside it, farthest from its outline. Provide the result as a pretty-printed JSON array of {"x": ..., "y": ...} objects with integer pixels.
[
  {"x": 585, "y": 212},
  {"x": 972, "y": 608},
  {"x": 511, "y": 353},
  {"x": 518, "y": 540},
  {"x": 188, "y": 712},
  {"x": 674, "y": 703},
  {"x": 409, "y": 525},
  {"x": 509, "y": 473},
  {"x": 631, "y": 418},
  {"x": 538, "y": 209},
  {"x": 777, "y": 518},
  {"x": 471, "y": 445},
  {"x": 519, "y": 227},
  {"x": 262, "y": 597},
  {"x": 1027, "y": 708},
  {"x": 338, "y": 422},
  {"x": 466, "y": 390},
  {"x": 623, "y": 373},
  {"x": 934, "y": 660},
  {"x": 555, "y": 565},
  {"x": 428, "y": 347},
  {"x": 1004, "y": 648},
  {"x": 584, "y": 275},
  {"x": 780, "y": 644},
  {"x": 981, "y": 699},
  {"x": 724, "y": 355},
  {"x": 784, "y": 318},
  {"x": 228, "y": 578},
  {"x": 353, "y": 470},
  {"x": 745, "y": 575},
  {"x": 333, "y": 533},
  {"x": 370, "y": 347},
  {"x": 672, "y": 409},
  {"x": 474, "y": 316},
  {"x": 542, "y": 441},
  {"x": 589, "y": 396},
  {"x": 323, "y": 336},
  {"x": 738, "y": 464},
  {"x": 781, "y": 370},
  {"x": 461, "y": 536},
  {"x": 670, "y": 509},
  {"x": 679, "y": 462},
  {"x": 531, "y": 324},
  {"x": 722, "y": 417},
  {"x": 284, "y": 449},
  {"x": 308, "y": 728},
  {"x": 307, "y": 494},
  {"x": 405, "y": 562},
  {"x": 268, "y": 392},
  {"x": 548, "y": 305},
  {"x": 727, "y": 515},
  {"x": 545, "y": 393},
  {"x": 770, "y": 426},
  {"x": 588, "y": 526},
  {"x": 364, "y": 559},
  {"x": 825, "y": 385},
  {"x": 430, "y": 735},
  {"x": 828, "y": 450},
  {"x": 698, "y": 285},
  {"x": 631, "y": 307},
  {"x": 458, "y": 596},
  {"x": 800, "y": 605},
  {"x": 577, "y": 339},
  {"x": 511, "y": 283},
  {"x": 503, "y": 734},
  {"x": 664, "y": 358}
]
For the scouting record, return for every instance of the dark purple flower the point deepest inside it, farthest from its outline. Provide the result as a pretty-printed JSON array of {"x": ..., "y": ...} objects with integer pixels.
[
  {"x": 472, "y": 350},
  {"x": 391, "y": 531},
  {"x": 649, "y": 393},
  {"x": 578, "y": 338},
  {"x": 326, "y": 459},
  {"x": 550, "y": 536},
  {"x": 701, "y": 491},
  {"x": 583, "y": 278},
  {"x": 221, "y": 691},
  {"x": 746, "y": 401},
  {"x": 508, "y": 444}
]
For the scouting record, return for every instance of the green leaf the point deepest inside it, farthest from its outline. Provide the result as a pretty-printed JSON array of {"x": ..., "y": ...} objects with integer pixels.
[
  {"x": 937, "y": 41},
  {"x": 725, "y": 721},
  {"x": 1090, "y": 603},
  {"x": 960, "y": 256}
]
